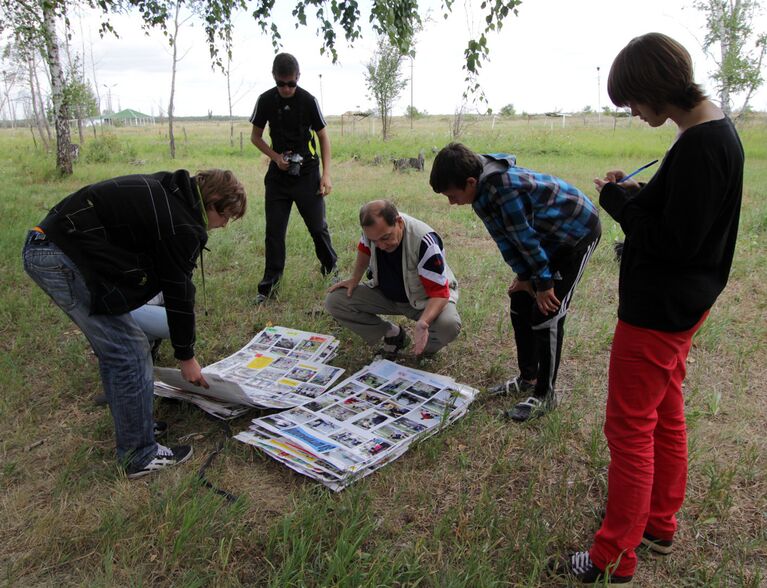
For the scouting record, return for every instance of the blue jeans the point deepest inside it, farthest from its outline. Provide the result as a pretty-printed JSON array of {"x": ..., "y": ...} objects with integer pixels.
[
  {"x": 125, "y": 361},
  {"x": 153, "y": 320}
]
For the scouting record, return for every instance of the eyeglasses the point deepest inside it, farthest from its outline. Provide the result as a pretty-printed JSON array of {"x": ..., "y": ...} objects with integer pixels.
[{"x": 289, "y": 84}]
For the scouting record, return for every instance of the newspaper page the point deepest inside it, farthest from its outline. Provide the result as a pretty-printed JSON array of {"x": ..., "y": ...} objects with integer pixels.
[
  {"x": 365, "y": 422},
  {"x": 278, "y": 368}
]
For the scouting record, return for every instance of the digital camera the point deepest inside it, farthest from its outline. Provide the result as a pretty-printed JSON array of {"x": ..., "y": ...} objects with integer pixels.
[{"x": 294, "y": 163}]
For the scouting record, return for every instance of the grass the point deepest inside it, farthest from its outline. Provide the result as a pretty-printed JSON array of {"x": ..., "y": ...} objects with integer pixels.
[{"x": 481, "y": 504}]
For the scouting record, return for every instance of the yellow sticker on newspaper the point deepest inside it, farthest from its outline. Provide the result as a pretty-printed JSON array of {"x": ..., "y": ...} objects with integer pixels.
[{"x": 260, "y": 361}]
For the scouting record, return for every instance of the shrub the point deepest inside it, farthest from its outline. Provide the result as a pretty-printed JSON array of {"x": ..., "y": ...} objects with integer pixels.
[{"x": 108, "y": 147}]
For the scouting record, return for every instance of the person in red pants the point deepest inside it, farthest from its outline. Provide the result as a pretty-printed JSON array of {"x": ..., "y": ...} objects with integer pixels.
[{"x": 680, "y": 229}]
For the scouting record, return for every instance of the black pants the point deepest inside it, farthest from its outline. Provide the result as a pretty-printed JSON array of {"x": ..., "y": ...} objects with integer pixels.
[
  {"x": 282, "y": 190},
  {"x": 538, "y": 336}
]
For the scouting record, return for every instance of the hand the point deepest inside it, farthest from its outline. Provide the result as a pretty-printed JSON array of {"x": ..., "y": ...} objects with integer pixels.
[
  {"x": 547, "y": 301},
  {"x": 326, "y": 186},
  {"x": 281, "y": 162},
  {"x": 191, "y": 372},
  {"x": 349, "y": 284},
  {"x": 518, "y": 285},
  {"x": 421, "y": 336}
]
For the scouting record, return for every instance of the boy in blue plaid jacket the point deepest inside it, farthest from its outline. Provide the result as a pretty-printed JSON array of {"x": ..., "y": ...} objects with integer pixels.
[{"x": 546, "y": 230}]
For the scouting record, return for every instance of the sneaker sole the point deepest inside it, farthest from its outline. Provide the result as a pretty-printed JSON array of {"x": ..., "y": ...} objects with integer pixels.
[
  {"x": 656, "y": 549},
  {"x": 143, "y": 473}
]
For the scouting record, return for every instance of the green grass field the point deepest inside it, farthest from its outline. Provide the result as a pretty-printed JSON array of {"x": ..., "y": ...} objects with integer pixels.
[{"x": 481, "y": 504}]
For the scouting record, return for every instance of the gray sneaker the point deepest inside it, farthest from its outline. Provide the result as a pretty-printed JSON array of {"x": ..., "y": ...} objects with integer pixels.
[
  {"x": 165, "y": 458},
  {"x": 531, "y": 408},
  {"x": 514, "y": 387}
]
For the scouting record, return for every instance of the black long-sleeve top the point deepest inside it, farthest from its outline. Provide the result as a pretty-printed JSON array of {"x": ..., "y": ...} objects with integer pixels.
[
  {"x": 681, "y": 229},
  {"x": 132, "y": 237}
]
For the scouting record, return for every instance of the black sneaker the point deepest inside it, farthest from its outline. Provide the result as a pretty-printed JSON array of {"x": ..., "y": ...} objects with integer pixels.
[
  {"x": 578, "y": 567},
  {"x": 165, "y": 458},
  {"x": 531, "y": 408},
  {"x": 394, "y": 344},
  {"x": 514, "y": 387},
  {"x": 657, "y": 546}
]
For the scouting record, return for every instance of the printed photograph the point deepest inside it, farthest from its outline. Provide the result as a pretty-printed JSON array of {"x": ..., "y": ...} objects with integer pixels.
[
  {"x": 302, "y": 374},
  {"x": 392, "y": 409},
  {"x": 347, "y": 438},
  {"x": 409, "y": 425},
  {"x": 395, "y": 386},
  {"x": 376, "y": 446},
  {"x": 322, "y": 426},
  {"x": 339, "y": 412},
  {"x": 371, "y": 380},
  {"x": 423, "y": 389},
  {"x": 371, "y": 420},
  {"x": 348, "y": 389},
  {"x": 392, "y": 433},
  {"x": 372, "y": 396},
  {"x": 407, "y": 399}
]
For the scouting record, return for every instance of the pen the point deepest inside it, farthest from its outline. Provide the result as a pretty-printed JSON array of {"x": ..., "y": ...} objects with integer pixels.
[{"x": 635, "y": 172}]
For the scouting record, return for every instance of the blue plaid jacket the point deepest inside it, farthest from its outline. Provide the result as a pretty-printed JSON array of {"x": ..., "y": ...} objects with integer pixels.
[{"x": 531, "y": 216}]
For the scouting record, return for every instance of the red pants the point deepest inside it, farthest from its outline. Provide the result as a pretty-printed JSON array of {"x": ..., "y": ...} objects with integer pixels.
[{"x": 647, "y": 436}]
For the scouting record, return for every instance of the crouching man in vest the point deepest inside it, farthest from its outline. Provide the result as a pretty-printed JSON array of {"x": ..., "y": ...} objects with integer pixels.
[{"x": 409, "y": 276}]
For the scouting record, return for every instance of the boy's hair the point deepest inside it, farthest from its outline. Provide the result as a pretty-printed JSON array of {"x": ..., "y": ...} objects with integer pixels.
[
  {"x": 285, "y": 65},
  {"x": 223, "y": 191},
  {"x": 453, "y": 165},
  {"x": 656, "y": 70},
  {"x": 384, "y": 209}
]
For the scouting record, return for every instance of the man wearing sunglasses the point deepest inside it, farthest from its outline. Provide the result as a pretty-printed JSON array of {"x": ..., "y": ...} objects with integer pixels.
[{"x": 296, "y": 125}]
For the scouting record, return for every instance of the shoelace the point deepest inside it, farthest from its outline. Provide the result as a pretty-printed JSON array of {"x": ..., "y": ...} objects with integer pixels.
[
  {"x": 580, "y": 562},
  {"x": 163, "y": 451}
]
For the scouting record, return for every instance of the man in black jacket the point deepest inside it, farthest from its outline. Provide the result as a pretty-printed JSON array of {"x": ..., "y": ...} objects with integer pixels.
[
  {"x": 107, "y": 249},
  {"x": 295, "y": 119}
]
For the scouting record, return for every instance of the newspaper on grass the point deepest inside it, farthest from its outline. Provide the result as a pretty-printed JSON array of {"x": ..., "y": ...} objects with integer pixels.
[
  {"x": 368, "y": 420},
  {"x": 278, "y": 368}
]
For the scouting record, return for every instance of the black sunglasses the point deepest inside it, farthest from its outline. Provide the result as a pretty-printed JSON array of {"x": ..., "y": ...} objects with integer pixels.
[{"x": 290, "y": 84}]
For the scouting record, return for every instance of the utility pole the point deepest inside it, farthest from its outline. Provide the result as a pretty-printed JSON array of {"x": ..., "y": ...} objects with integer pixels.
[
  {"x": 109, "y": 96},
  {"x": 599, "y": 98},
  {"x": 411, "y": 92},
  {"x": 322, "y": 100}
]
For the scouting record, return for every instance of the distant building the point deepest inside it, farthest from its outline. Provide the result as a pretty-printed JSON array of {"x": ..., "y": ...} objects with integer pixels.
[{"x": 128, "y": 117}]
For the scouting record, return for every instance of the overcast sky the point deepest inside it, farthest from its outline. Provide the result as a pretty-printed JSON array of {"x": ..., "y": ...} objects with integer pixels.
[{"x": 544, "y": 59}]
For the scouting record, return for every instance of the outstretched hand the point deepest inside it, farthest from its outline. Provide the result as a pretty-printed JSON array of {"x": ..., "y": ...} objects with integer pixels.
[{"x": 191, "y": 372}]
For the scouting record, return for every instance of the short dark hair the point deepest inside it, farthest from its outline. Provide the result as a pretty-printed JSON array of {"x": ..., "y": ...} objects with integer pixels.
[
  {"x": 384, "y": 209},
  {"x": 656, "y": 70},
  {"x": 453, "y": 166},
  {"x": 223, "y": 191},
  {"x": 285, "y": 65}
]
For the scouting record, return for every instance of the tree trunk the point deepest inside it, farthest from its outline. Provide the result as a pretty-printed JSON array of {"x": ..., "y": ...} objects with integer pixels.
[
  {"x": 34, "y": 91},
  {"x": 229, "y": 97},
  {"x": 172, "y": 139},
  {"x": 63, "y": 141}
]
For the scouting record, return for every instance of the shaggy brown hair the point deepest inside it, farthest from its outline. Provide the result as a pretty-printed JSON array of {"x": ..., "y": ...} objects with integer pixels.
[{"x": 656, "y": 70}]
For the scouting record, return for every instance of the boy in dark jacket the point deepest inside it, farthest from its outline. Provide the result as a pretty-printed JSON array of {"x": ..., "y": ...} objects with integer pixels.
[
  {"x": 107, "y": 249},
  {"x": 546, "y": 231}
]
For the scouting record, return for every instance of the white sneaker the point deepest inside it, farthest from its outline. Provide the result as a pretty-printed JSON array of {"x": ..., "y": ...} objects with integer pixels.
[{"x": 165, "y": 458}]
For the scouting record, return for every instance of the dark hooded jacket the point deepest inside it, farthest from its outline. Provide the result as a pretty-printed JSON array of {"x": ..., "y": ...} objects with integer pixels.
[{"x": 132, "y": 237}]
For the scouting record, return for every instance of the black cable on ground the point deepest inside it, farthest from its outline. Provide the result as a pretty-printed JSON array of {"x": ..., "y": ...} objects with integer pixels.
[{"x": 231, "y": 498}]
